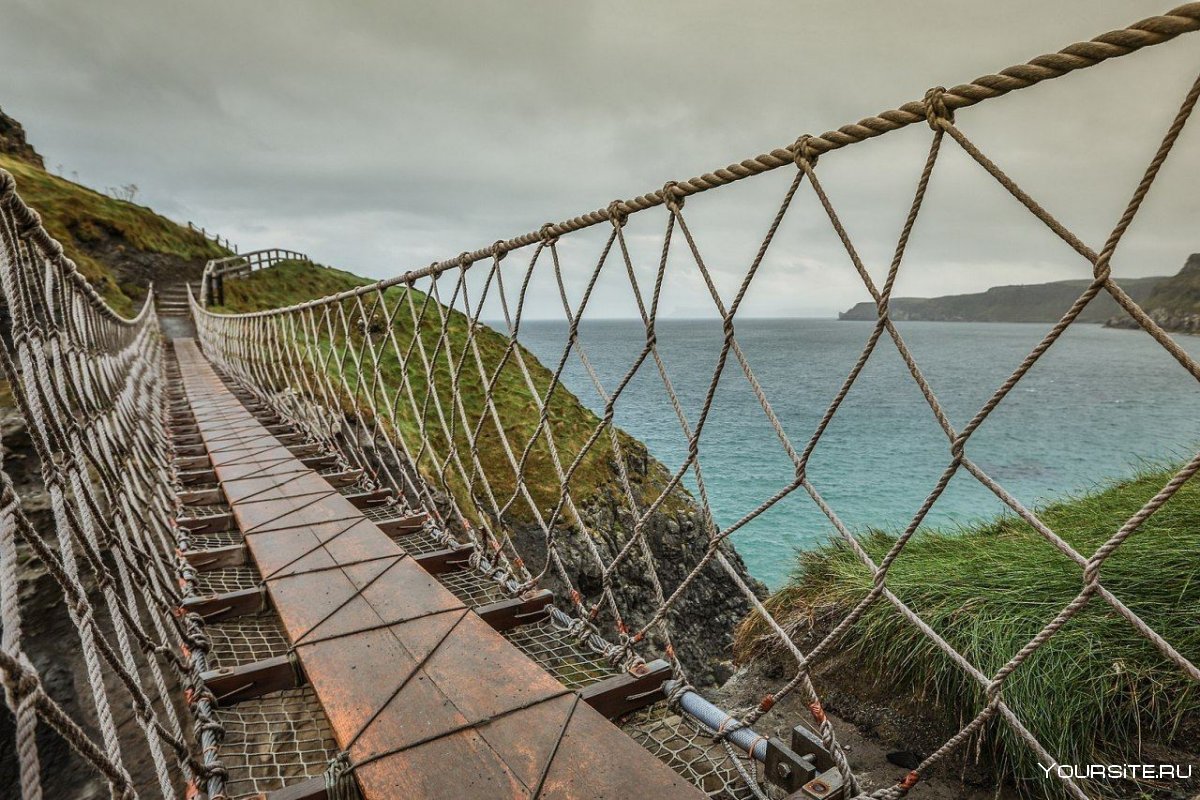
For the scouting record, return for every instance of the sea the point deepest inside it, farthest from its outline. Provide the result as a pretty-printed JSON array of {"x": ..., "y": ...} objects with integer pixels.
[{"x": 1099, "y": 405}]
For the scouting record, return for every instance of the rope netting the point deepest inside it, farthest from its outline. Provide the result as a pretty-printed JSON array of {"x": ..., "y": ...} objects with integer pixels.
[
  {"x": 89, "y": 387},
  {"x": 404, "y": 378}
]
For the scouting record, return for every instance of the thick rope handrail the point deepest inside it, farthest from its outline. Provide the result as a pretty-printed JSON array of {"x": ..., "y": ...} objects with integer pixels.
[
  {"x": 412, "y": 386},
  {"x": 30, "y": 222},
  {"x": 1080, "y": 55}
]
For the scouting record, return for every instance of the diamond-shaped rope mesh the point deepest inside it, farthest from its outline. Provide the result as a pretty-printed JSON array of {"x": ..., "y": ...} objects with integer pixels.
[
  {"x": 402, "y": 380},
  {"x": 444, "y": 407}
]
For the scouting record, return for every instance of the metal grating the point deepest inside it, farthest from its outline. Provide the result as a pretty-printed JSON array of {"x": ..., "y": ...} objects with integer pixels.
[
  {"x": 229, "y": 579},
  {"x": 245, "y": 640},
  {"x": 691, "y": 750},
  {"x": 473, "y": 588},
  {"x": 274, "y": 740},
  {"x": 553, "y": 649}
]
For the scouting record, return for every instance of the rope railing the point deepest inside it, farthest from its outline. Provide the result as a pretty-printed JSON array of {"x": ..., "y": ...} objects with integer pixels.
[
  {"x": 403, "y": 376},
  {"x": 88, "y": 385}
]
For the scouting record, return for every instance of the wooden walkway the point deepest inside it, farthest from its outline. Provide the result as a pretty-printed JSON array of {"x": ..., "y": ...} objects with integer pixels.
[{"x": 428, "y": 700}]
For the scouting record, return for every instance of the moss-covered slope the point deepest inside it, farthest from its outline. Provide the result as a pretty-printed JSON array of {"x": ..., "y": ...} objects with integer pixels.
[{"x": 121, "y": 247}]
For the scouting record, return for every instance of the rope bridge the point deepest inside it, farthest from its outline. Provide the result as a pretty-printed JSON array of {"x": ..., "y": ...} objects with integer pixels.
[{"x": 448, "y": 438}]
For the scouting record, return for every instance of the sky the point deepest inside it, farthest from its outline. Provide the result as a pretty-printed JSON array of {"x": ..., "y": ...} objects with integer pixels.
[{"x": 379, "y": 137}]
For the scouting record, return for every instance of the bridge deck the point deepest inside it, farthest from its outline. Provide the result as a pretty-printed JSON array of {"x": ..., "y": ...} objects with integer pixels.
[{"x": 426, "y": 698}]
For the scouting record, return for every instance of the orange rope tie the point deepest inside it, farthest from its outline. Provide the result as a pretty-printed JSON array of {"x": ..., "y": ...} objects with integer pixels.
[
  {"x": 910, "y": 780},
  {"x": 817, "y": 711},
  {"x": 754, "y": 744},
  {"x": 767, "y": 703}
]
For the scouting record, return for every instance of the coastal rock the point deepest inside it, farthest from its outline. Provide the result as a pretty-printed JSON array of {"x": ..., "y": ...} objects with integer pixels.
[
  {"x": 14, "y": 143},
  {"x": 1175, "y": 302}
]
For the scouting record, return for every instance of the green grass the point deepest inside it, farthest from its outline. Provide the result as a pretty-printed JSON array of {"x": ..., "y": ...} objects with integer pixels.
[
  {"x": 570, "y": 421},
  {"x": 89, "y": 224},
  {"x": 1095, "y": 691}
]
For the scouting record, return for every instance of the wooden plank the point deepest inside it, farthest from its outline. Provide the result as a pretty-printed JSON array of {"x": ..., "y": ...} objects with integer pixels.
[
  {"x": 201, "y": 497},
  {"x": 233, "y": 685},
  {"x": 233, "y": 555},
  {"x": 377, "y": 497},
  {"x": 218, "y": 607},
  {"x": 450, "y": 559},
  {"x": 422, "y": 692},
  {"x": 196, "y": 477},
  {"x": 214, "y": 523},
  {"x": 516, "y": 611},
  {"x": 405, "y": 523},
  {"x": 630, "y": 691}
]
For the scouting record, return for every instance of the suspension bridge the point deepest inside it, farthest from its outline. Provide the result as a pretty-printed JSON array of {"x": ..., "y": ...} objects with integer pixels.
[{"x": 283, "y": 537}]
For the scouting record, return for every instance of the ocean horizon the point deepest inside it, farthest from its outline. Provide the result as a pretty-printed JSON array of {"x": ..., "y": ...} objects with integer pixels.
[{"x": 1099, "y": 405}]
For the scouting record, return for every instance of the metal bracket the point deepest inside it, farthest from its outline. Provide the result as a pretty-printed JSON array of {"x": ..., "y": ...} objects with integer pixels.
[
  {"x": 827, "y": 783},
  {"x": 786, "y": 768}
]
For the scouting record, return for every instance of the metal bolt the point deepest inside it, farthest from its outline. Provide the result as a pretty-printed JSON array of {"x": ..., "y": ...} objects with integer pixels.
[{"x": 783, "y": 770}]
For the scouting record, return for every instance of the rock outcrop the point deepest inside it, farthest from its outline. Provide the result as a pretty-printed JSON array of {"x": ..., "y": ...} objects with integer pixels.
[
  {"x": 1175, "y": 302},
  {"x": 14, "y": 143}
]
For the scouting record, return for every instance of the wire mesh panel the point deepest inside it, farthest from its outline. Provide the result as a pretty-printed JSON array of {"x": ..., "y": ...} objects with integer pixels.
[
  {"x": 246, "y": 639},
  {"x": 226, "y": 579},
  {"x": 274, "y": 740},
  {"x": 472, "y": 588},
  {"x": 208, "y": 541},
  {"x": 697, "y": 754},
  {"x": 560, "y": 654}
]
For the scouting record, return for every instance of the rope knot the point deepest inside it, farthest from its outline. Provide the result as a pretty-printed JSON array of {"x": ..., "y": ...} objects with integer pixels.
[
  {"x": 8, "y": 187},
  {"x": 937, "y": 114},
  {"x": 464, "y": 260},
  {"x": 499, "y": 251},
  {"x": 28, "y": 223},
  {"x": 549, "y": 237},
  {"x": 617, "y": 214},
  {"x": 910, "y": 780},
  {"x": 804, "y": 153},
  {"x": 672, "y": 195}
]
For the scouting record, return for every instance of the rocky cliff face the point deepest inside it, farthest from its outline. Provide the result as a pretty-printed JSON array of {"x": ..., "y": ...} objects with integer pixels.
[
  {"x": 705, "y": 617},
  {"x": 1175, "y": 302},
  {"x": 13, "y": 142}
]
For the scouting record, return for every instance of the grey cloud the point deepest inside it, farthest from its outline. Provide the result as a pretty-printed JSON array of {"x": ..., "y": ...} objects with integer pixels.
[{"x": 381, "y": 136}]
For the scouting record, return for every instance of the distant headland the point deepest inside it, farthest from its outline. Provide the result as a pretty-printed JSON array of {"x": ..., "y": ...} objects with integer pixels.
[{"x": 1173, "y": 302}]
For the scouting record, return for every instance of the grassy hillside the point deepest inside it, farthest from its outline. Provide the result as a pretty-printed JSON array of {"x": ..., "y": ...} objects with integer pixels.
[
  {"x": 1038, "y": 302},
  {"x": 570, "y": 421},
  {"x": 119, "y": 246},
  {"x": 1095, "y": 693}
]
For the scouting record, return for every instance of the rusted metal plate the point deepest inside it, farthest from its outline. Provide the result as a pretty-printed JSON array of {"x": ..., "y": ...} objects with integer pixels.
[{"x": 425, "y": 696}]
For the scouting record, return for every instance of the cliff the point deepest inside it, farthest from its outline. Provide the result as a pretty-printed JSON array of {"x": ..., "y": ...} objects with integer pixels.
[
  {"x": 13, "y": 142},
  {"x": 1036, "y": 302},
  {"x": 1174, "y": 303}
]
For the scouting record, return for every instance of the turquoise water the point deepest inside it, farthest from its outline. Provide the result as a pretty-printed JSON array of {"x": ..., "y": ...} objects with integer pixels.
[{"x": 1098, "y": 404}]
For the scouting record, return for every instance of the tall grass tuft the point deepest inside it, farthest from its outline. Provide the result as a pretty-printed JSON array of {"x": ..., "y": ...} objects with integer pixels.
[{"x": 1097, "y": 692}]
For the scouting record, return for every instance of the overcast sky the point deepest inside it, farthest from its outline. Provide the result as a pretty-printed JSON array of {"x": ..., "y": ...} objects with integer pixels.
[{"x": 381, "y": 136}]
